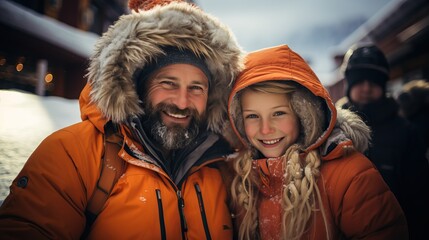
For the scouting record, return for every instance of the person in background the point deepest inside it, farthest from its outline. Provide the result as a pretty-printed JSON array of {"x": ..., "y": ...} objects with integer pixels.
[
  {"x": 160, "y": 76},
  {"x": 300, "y": 172},
  {"x": 395, "y": 149},
  {"x": 413, "y": 101}
]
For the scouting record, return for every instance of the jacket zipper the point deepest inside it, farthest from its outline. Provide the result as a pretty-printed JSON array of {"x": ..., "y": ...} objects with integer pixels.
[
  {"x": 161, "y": 214},
  {"x": 182, "y": 214},
  {"x": 202, "y": 211},
  {"x": 181, "y": 203}
]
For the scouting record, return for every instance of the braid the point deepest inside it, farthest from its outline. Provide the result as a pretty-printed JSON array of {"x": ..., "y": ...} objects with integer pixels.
[
  {"x": 244, "y": 194},
  {"x": 300, "y": 191}
]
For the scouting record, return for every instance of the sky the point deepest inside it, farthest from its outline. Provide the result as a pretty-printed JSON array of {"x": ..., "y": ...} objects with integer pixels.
[{"x": 310, "y": 27}]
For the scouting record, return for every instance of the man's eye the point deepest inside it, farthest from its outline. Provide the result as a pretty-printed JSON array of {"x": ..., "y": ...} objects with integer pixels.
[
  {"x": 196, "y": 89},
  {"x": 168, "y": 84}
]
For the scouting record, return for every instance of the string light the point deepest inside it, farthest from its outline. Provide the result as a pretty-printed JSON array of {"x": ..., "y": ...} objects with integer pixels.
[
  {"x": 49, "y": 77},
  {"x": 19, "y": 67}
]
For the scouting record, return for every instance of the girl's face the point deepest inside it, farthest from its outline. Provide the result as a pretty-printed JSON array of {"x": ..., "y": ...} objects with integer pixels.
[{"x": 270, "y": 124}]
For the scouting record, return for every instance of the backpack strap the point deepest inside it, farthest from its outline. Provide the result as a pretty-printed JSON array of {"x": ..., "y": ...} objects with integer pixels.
[{"x": 112, "y": 167}]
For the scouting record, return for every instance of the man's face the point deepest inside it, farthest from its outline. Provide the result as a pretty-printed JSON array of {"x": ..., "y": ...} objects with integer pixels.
[
  {"x": 176, "y": 104},
  {"x": 365, "y": 92}
]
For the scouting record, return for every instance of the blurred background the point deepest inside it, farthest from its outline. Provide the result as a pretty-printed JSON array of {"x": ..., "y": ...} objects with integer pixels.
[{"x": 45, "y": 46}]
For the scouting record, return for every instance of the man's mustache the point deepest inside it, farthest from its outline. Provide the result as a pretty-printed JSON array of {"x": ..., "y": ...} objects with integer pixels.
[{"x": 173, "y": 109}]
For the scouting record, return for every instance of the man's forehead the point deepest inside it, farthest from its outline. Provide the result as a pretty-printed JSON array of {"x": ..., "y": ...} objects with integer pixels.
[{"x": 179, "y": 72}]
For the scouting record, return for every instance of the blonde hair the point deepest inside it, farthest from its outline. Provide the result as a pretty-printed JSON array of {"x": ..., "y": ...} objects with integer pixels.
[{"x": 300, "y": 194}]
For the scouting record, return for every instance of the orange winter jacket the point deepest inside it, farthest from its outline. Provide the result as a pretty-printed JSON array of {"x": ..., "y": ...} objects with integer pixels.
[
  {"x": 49, "y": 196},
  {"x": 357, "y": 202}
]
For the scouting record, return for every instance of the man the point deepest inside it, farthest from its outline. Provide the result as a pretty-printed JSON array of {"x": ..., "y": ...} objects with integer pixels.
[
  {"x": 159, "y": 79},
  {"x": 395, "y": 149}
]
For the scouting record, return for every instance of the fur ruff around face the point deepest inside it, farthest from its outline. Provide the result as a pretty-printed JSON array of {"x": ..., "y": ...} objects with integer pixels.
[{"x": 138, "y": 38}]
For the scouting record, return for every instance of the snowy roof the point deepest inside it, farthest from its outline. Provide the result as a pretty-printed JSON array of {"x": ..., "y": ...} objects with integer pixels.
[
  {"x": 48, "y": 29},
  {"x": 362, "y": 33}
]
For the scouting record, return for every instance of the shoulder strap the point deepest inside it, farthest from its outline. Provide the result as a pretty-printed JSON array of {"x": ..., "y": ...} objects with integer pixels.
[{"x": 112, "y": 167}]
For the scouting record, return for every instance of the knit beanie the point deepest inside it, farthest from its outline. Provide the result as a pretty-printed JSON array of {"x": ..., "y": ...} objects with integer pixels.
[
  {"x": 365, "y": 62},
  {"x": 171, "y": 55},
  {"x": 357, "y": 75}
]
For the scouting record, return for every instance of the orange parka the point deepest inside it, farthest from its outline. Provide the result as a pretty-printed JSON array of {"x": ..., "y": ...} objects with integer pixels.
[
  {"x": 48, "y": 198},
  {"x": 357, "y": 202}
]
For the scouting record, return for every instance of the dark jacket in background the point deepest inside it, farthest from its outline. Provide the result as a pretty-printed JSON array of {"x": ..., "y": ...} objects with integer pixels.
[{"x": 399, "y": 156}]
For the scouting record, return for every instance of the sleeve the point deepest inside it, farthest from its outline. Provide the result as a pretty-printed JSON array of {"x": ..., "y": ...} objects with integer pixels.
[
  {"x": 48, "y": 197},
  {"x": 368, "y": 209}
]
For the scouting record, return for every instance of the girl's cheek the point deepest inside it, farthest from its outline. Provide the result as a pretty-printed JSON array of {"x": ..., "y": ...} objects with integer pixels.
[{"x": 250, "y": 129}]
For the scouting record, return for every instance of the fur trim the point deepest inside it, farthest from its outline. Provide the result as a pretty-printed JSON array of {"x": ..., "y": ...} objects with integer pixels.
[
  {"x": 137, "y": 38},
  {"x": 354, "y": 128},
  {"x": 308, "y": 108}
]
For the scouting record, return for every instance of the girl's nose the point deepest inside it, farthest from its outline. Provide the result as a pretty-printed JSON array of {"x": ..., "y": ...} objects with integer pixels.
[{"x": 266, "y": 127}]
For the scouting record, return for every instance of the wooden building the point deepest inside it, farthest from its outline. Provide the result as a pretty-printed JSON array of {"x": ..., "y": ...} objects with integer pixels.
[{"x": 45, "y": 44}]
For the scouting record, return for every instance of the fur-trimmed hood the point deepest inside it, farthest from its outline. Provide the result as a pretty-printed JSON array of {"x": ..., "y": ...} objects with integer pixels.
[
  {"x": 281, "y": 63},
  {"x": 138, "y": 38}
]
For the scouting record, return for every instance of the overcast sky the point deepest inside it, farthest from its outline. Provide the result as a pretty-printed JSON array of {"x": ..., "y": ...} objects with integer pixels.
[{"x": 310, "y": 27}]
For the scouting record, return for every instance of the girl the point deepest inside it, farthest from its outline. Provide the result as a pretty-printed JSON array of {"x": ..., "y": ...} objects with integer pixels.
[{"x": 300, "y": 173}]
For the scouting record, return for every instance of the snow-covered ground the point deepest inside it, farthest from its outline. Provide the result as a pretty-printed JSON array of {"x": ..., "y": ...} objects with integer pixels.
[{"x": 25, "y": 120}]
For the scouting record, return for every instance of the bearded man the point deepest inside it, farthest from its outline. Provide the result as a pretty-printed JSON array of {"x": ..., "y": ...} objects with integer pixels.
[{"x": 159, "y": 78}]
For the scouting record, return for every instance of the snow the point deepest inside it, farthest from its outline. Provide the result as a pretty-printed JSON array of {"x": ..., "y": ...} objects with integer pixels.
[{"x": 25, "y": 120}]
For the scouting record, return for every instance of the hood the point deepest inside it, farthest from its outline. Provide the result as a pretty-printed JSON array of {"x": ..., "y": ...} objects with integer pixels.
[
  {"x": 279, "y": 63},
  {"x": 139, "y": 37}
]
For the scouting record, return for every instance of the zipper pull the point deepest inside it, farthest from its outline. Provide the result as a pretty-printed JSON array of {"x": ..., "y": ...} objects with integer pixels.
[{"x": 181, "y": 207}]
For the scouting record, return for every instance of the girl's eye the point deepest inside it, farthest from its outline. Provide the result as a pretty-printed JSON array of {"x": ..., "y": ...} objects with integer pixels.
[
  {"x": 251, "y": 116},
  {"x": 279, "y": 113}
]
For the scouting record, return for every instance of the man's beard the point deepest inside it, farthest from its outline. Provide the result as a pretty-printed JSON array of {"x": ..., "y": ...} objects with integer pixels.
[{"x": 175, "y": 136}]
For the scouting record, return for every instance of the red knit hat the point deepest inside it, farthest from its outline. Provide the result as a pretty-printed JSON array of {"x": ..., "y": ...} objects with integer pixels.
[{"x": 145, "y": 5}]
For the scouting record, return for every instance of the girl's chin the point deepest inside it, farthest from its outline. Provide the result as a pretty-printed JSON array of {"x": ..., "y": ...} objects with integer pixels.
[{"x": 272, "y": 154}]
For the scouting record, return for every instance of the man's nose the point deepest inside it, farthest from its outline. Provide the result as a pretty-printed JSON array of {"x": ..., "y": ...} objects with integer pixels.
[
  {"x": 182, "y": 98},
  {"x": 366, "y": 85}
]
